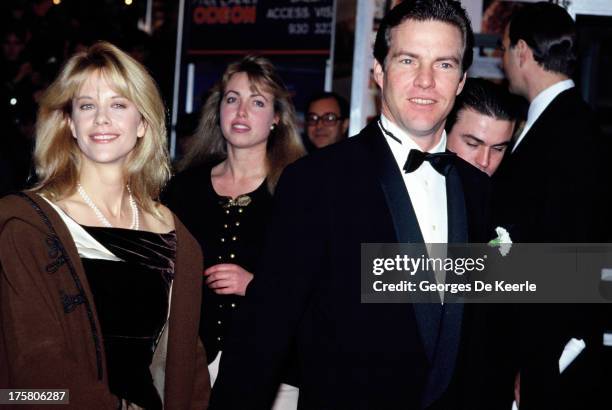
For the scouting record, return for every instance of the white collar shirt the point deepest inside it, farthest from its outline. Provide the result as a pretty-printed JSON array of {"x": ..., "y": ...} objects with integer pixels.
[
  {"x": 426, "y": 186},
  {"x": 539, "y": 104}
]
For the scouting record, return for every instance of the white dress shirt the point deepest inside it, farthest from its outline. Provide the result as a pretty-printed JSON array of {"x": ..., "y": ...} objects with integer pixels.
[
  {"x": 539, "y": 104},
  {"x": 426, "y": 186}
]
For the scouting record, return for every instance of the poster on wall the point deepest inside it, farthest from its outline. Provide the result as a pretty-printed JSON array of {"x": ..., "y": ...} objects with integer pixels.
[
  {"x": 495, "y": 16},
  {"x": 266, "y": 26}
]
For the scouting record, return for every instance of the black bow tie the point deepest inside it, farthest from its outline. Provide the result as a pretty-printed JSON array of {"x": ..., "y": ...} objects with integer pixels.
[{"x": 442, "y": 161}]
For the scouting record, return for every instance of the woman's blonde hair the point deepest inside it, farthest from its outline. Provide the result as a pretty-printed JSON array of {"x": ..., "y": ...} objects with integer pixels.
[
  {"x": 284, "y": 143},
  {"x": 57, "y": 155}
]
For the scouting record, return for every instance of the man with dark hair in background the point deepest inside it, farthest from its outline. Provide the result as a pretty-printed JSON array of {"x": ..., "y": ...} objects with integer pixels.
[
  {"x": 326, "y": 119},
  {"x": 481, "y": 124},
  {"x": 553, "y": 187},
  {"x": 392, "y": 183}
]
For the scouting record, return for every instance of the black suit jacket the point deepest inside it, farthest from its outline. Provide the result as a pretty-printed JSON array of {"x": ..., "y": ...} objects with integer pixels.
[
  {"x": 353, "y": 355},
  {"x": 555, "y": 188}
]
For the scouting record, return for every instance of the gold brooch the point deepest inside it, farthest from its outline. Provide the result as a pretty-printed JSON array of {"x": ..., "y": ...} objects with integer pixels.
[{"x": 242, "y": 200}]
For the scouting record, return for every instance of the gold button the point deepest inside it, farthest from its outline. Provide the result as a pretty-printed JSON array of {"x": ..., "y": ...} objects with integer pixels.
[
  {"x": 237, "y": 223},
  {"x": 232, "y": 256}
]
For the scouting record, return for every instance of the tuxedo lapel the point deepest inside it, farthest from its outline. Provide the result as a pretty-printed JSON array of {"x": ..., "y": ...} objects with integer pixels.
[
  {"x": 407, "y": 230},
  {"x": 447, "y": 347},
  {"x": 439, "y": 325},
  {"x": 457, "y": 213},
  {"x": 405, "y": 223}
]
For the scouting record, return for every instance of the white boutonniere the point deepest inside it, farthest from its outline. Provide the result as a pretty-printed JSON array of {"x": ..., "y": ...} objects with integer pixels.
[{"x": 503, "y": 241}]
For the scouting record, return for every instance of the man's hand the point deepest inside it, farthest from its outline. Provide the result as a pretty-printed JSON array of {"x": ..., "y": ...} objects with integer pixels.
[{"x": 228, "y": 279}]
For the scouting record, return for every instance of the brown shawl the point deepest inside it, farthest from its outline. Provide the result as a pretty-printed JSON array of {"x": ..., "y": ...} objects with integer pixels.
[{"x": 50, "y": 337}]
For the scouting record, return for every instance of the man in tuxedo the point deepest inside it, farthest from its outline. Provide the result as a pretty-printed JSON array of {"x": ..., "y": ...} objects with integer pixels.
[
  {"x": 354, "y": 355},
  {"x": 553, "y": 187}
]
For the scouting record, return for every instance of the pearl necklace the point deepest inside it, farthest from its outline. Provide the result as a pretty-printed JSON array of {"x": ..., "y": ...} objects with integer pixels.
[{"x": 135, "y": 220}]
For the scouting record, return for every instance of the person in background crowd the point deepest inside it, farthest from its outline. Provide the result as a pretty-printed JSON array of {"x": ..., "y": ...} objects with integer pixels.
[
  {"x": 326, "y": 120},
  {"x": 17, "y": 109},
  {"x": 97, "y": 278},
  {"x": 186, "y": 128},
  {"x": 15, "y": 69},
  {"x": 392, "y": 183},
  {"x": 481, "y": 124},
  {"x": 16, "y": 150},
  {"x": 554, "y": 186},
  {"x": 246, "y": 137}
]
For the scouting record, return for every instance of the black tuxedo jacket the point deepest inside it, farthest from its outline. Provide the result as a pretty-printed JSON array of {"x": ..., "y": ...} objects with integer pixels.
[
  {"x": 555, "y": 188},
  {"x": 353, "y": 355}
]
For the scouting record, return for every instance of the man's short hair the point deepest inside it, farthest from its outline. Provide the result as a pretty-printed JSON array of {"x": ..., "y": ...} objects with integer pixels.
[
  {"x": 447, "y": 11},
  {"x": 550, "y": 32},
  {"x": 342, "y": 102},
  {"x": 483, "y": 97}
]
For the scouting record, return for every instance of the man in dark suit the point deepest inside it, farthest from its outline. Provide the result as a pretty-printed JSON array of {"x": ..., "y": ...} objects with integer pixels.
[
  {"x": 354, "y": 355},
  {"x": 327, "y": 120},
  {"x": 554, "y": 195},
  {"x": 553, "y": 187},
  {"x": 481, "y": 124}
]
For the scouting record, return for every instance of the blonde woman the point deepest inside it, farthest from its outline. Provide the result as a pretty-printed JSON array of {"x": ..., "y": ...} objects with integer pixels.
[
  {"x": 96, "y": 286},
  {"x": 246, "y": 136}
]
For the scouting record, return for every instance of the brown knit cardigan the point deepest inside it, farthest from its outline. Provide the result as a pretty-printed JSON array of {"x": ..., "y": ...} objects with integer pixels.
[{"x": 50, "y": 336}]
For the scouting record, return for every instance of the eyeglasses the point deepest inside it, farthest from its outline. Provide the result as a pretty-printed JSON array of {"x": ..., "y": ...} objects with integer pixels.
[{"x": 328, "y": 118}]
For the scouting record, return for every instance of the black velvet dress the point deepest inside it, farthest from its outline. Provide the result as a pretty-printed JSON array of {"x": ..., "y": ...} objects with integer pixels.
[
  {"x": 229, "y": 231},
  {"x": 131, "y": 298}
]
